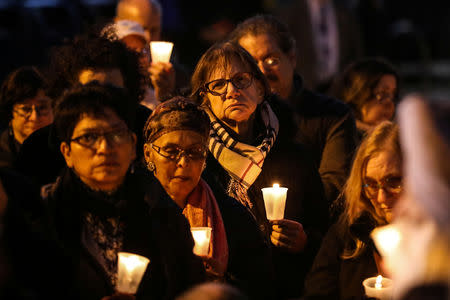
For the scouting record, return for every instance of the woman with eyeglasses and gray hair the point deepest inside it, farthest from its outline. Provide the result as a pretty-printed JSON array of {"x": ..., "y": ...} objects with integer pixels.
[
  {"x": 24, "y": 108},
  {"x": 175, "y": 150},
  {"x": 248, "y": 151},
  {"x": 347, "y": 255}
]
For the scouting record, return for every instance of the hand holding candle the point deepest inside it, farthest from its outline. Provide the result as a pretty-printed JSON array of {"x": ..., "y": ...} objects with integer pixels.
[
  {"x": 161, "y": 51},
  {"x": 378, "y": 287},
  {"x": 131, "y": 268},
  {"x": 202, "y": 236},
  {"x": 274, "y": 201}
]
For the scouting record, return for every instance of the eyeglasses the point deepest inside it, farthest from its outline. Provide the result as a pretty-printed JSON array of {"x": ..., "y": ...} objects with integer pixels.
[
  {"x": 219, "y": 87},
  {"x": 383, "y": 95},
  {"x": 25, "y": 111},
  {"x": 270, "y": 62},
  {"x": 93, "y": 139},
  {"x": 391, "y": 185},
  {"x": 175, "y": 153}
]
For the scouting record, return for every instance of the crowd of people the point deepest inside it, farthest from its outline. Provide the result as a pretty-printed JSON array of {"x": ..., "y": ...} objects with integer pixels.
[{"x": 104, "y": 151}]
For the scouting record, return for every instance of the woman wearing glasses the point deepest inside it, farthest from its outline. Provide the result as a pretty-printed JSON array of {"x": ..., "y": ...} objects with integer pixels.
[
  {"x": 248, "y": 151},
  {"x": 24, "y": 108},
  {"x": 175, "y": 150},
  {"x": 101, "y": 205},
  {"x": 370, "y": 87},
  {"x": 347, "y": 255}
]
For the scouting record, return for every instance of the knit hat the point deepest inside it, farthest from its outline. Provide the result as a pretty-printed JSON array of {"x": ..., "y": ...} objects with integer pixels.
[
  {"x": 178, "y": 113},
  {"x": 425, "y": 138}
]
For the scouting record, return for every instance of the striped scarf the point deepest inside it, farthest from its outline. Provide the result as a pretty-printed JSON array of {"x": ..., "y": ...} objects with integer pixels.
[{"x": 243, "y": 162}]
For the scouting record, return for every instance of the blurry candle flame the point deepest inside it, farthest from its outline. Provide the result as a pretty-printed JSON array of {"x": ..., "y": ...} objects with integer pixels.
[
  {"x": 133, "y": 262},
  {"x": 276, "y": 186},
  {"x": 387, "y": 239},
  {"x": 378, "y": 284}
]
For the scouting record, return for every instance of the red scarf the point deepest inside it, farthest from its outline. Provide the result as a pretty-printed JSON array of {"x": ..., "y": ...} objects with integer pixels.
[{"x": 202, "y": 210}]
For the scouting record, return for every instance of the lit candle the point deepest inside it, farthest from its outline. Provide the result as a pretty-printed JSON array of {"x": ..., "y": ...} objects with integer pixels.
[
  {"x": 202, "y": 236},
  {"x": 161, "y": 51},
  {"x": 378, "y": 287},
  {"x": 386, "y": 239},
  {"x": 131, "y": 268},
  {"x": 274, "y": 201}
]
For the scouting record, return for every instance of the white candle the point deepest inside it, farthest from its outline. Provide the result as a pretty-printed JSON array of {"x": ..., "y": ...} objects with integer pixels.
[
  {"x": 202, "y": 236},
  {"x": 131, "y": 268},
  {"x": 378, "y": 287},
  {"x": 161, "y": 51},
  {"x": 386, "y": 239},
  {"x": 274, "y": 201}
]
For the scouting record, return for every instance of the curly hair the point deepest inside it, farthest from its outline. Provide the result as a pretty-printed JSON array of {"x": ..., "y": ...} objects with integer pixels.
[
  {"x": 93, "y": 52},
  {"x": 22, "y": 83}
]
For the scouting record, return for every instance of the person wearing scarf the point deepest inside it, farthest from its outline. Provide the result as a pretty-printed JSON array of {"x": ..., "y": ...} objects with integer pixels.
[
  {"x": 176, "y": 136},
  {"x": 100, "y": 205},
  {"x": 249, "y": 150}
]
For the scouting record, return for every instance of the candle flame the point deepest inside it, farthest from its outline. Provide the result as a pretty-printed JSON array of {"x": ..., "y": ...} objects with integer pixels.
[
  {"x": 378, "y": 284},
  {"x": 276, "y": 185},
  {"x": 200, "y": 236},
  {"x": 388, "y": 238},
  {"x": 132, "y": 262}
]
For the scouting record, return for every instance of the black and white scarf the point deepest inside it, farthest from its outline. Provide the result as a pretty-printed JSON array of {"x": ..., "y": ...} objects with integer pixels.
[{"x": 243, "y": 162}]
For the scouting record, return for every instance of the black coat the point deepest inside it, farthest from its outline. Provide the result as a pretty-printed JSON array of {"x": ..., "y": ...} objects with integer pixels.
[
  {"x": 291, "y": 166},
  {"x": 154, "y": 228},
  {"x": 9, "y": 148},
  {"x": 250, "y": 261},
  {"x": 326, "y": 126},
  {"x": 332, "y": 277}
]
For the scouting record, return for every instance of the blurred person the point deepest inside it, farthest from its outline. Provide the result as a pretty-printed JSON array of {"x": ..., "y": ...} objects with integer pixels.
[
  {"x": 422, "y": 216},
  {"x": 323, "y": 124},
  {"x": 24, "y": 107},
  {"x": 247, "y": 154},
  {"x": 212, "y": 291},
  {"x": 328, "y": 35},
  {"x": 167, "y": 79},
  {"x": 347, "y": 255},
  {"x": 370, "y": 87},
  {"x": 84, "y": 59},
  {"x": 100, "y": 206},
  {"x": 175, "y": 149}
]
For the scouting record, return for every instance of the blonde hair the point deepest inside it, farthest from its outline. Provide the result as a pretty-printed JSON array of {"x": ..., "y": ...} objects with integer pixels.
[{"x": 384, "y": 136}]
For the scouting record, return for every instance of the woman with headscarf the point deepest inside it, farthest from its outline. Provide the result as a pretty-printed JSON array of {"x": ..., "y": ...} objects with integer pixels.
[
  {"x": 247, "y": 153},
  {"x": 176, "y": 136},
  {"x": 101, "y": 205}
]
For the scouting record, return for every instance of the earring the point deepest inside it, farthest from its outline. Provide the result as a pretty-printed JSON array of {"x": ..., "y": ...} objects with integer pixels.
[
  {"x": 151, "y": 166},
  {"x": 204, "y": 166}
]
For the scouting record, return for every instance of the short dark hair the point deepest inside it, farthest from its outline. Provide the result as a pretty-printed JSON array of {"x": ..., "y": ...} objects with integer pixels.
[
  {"x": 91, "y": 99},
  {"x": 356, "y": 83},
  {"x": 221, "y": 55},
  {"x": 20, "y": 84},
  {"x": 265, "y": 24},
  {"x": 90, "y": 51}
]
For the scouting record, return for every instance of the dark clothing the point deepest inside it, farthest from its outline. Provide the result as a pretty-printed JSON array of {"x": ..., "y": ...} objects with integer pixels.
[
  {"x": 250, "y": 261},
  {"x": 152, "y": 227},
  {"x": 41, "y": 160},
  {"x": 9, "y": 148},
  {"x": 291, "y": 166},
  {"x": 332, "y": 277},
  {"x": 429, "y": 291},
  {"x": 327, "y": 128}
]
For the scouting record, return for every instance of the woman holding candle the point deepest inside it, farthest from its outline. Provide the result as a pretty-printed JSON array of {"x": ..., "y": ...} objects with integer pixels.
[
  {"x": 101, "y": 205},
  {"x": 347, "y": 255},
  {"x": 176, "y": 136},
  {"x": 247, "y": 153}
]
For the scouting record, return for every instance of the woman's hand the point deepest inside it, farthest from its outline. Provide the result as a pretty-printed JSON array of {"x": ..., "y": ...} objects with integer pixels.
[
  {"x": 162, "y": 76},
  {"x": 289, "y": 235},
  {"x": 120, "y": 296}
]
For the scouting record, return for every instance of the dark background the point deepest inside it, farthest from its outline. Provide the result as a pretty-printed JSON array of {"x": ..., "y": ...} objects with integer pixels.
[{"x": 415, "y": 37}]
